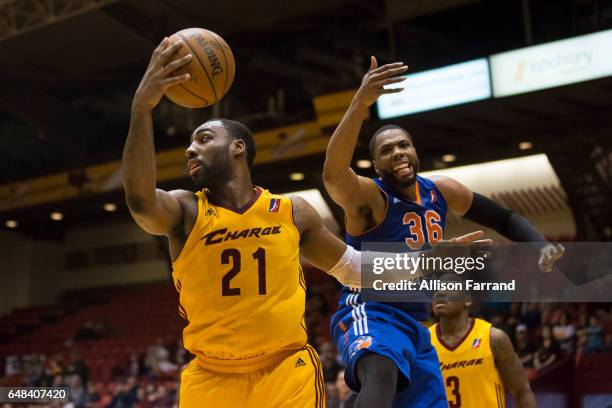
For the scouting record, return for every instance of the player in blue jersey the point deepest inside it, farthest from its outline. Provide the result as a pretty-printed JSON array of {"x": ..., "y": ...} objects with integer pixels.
[{"x": 388, "y": 354}]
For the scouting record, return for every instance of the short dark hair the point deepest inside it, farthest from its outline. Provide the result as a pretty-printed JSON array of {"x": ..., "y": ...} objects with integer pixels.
[
  {"x": 372, "y": 146},
  {"x": 240, "y": 131}
]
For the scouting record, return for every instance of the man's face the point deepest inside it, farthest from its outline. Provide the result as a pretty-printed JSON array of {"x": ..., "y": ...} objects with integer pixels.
[
  {"x": 208, "y": 155},
  {"x": 449, "y": 304},
  {"x": 396, "y": 160}
]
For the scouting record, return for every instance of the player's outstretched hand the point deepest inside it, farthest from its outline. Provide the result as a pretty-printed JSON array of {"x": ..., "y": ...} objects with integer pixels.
[
  {"x": 160, "y": 75},
  {"x": 374, "y": 81},
  {"x": 477, "y": 246},
  {"x": 549, "y": 255}
]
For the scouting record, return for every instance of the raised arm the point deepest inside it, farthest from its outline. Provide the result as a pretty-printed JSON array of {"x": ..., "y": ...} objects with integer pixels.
[
  {"x": 345, "y": 187},
  {"x": 511, "y": 370},
  {"x": 156, "y": 211},
  {"x": 475, "y": 207}
]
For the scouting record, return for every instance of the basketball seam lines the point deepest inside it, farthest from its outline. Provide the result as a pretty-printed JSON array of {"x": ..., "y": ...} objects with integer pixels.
[
  {"x": 194, "y": 94},
  {"x": 212, "y": 85},
  {"x": 226, "y": 66}
]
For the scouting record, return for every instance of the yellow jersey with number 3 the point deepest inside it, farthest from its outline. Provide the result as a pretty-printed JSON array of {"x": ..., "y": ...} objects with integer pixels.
[
  {"x": 468, "y": 368},
  {"x": 241, "y": 284}
]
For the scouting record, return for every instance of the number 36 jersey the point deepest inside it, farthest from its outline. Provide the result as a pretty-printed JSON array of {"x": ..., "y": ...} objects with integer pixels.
[{"x": 241, "y": 284}]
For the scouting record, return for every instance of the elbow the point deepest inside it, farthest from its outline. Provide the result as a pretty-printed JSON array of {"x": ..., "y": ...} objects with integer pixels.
[
  {"x": 327, "y": 172},
  {"x": 135, "y": 203}
]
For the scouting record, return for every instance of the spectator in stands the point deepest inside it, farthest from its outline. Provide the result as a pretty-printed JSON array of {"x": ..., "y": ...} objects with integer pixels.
[
  {"x": 533, "y": 316},
  {"x": 158, "y": 359},
  {"x": 58, "y": 381},
  {"x": 34, "y": 371},
  {"x": 77, "y": 367},
  {"x": 563, "y": 333},
  {"x": 548, "y": 352},
  {"x": 523, "y": 347},
  {"x": 594, "y": 336},
  {"x": 327, "y": 354},
  {"x": 155, "y": 353},
  {"x": 53, "y": 370},
  {"x": 581, "y": 345},
  {"x": 341, "y": 393},
  {"x": 78, "y": 394},
  {"x": 92, "y": 395},
  {"x": 166, "y": 367},
  {"x": 136, "y": 366},
  {"x": 163, "y": 396}
]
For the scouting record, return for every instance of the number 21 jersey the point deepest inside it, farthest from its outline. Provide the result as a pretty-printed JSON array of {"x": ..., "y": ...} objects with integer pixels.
[{"x": 241, "y": 284}]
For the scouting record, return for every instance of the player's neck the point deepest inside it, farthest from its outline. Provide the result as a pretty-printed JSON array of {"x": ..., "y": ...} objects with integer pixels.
[
  {"x": 236, "y": 192},
  {"x": 455, "y": 326},
  {"x": 409, "y": 193}
]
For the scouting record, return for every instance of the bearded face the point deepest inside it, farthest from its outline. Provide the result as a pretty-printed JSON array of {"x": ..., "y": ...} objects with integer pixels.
[{"x": 397, "y": 162}]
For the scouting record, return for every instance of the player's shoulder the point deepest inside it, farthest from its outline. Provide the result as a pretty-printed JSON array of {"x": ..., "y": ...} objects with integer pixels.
[
  {"x": 301, "y": 207},
  {"x": 187, "y": 199},
  {"x": 183, "y": 194},
  {"x": 500, "y": 341},
  {"x": 482, "y": 322},
  {"x": 305, "y": 216},
  {"x": 441, "y": 181}
]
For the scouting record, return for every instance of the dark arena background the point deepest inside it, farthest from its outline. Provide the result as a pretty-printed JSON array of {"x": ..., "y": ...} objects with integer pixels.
[{"x": 86, "y": 297}]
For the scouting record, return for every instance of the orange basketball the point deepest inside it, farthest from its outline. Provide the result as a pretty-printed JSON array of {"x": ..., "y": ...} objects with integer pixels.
[{"x": 212, "y": 68}]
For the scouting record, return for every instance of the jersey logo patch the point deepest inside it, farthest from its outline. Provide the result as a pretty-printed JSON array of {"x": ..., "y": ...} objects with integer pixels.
[
  {"x": 300, "y": 363},
  {"x": 433, "y": 196},
  {"x": 274, "y": 205},
  {"x": 210, "y": 211},
  {"x": 362, "y": 342},
  {"x": 476, "y": 343}
]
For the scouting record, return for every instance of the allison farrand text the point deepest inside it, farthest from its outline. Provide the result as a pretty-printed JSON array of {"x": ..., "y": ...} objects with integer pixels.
[{"x": 469, "y": 285}]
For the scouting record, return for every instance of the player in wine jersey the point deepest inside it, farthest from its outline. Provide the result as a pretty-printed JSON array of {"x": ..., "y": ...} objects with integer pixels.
[
  {"x": 477, "y": 360},
  {"x": 235, "y": 249},
  {"x": 388, "y": 354}
]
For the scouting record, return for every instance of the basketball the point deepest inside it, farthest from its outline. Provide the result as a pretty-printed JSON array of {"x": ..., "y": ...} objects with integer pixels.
[{"x": 212, "y": 68}]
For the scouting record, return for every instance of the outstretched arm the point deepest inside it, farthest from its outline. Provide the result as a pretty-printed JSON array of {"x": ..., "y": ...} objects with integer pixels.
[
  {"x": 473, "y": 206},
  {"x": 317, "y": 244},
  {"x": 345, "y": 187},
  {"x": 156, "y": 211},
  {"x": 511, "y": 370},
  {"x": 328, "y": 253}
]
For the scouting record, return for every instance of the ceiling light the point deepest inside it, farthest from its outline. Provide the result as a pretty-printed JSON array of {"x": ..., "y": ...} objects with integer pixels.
[
  {"x": 449, "y": 158},
  {"x": 525, "y": 145},
  {"x": 57, "y": 216},
  {"x": 364, "y": 164},
  {"x": 296, "y": 176},
  {"x": 110, "y": 207},
  {"x": 11, "y": 223}
]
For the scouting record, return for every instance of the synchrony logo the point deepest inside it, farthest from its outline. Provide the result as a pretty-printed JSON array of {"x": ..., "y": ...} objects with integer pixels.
[
  {"x": 559, "y": 63},
  {"x": 552, "y": 64}
]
